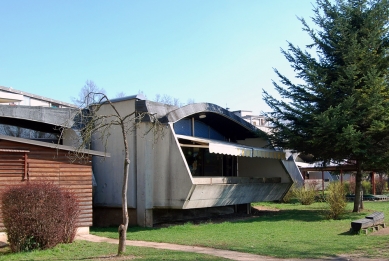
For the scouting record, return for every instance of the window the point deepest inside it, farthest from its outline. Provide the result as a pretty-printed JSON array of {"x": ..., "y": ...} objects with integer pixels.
[
  {"x": 183, "y": 127},
  {"x": 201, "y": 130},
  {"x": 203, "y": 163}
]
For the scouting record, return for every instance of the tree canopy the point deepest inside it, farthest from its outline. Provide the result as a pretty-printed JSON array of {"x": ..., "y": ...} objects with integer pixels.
[{"x": 339, "y": 110}]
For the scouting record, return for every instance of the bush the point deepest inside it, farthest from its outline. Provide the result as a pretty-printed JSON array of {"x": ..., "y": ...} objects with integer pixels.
[
  {"x": 289, "y": 195},
  {"x": 306, "y": 196},
  {"x": 366, "y": 186},
  {"x": 380, "y": 186},
  {"x": 336, "y": 199},
  {"x": 39, "y": 216},
  {"x": 349, "y": 187}
]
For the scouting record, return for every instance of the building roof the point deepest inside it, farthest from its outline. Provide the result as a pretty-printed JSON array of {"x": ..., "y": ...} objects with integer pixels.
[
  {"x": 131, "y": 97},
  {"x": 213, "y": 115},
  {"x": 13, "y": 91},
  {"x": 52, "y": 145}
]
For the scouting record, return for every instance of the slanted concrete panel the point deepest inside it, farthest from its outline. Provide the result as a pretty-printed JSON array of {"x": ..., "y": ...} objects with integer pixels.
[
  {"x": 172, "y": 177},
  {"x": 54, "y": 116},
  {"x": 71, "y": 138},
  {"x": 231, "y": 194},
  {"x": 264, "y": 168},
  {"x": 296, "y": 176}
]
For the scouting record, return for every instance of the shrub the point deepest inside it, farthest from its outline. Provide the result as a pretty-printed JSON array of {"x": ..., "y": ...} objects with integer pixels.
[
  {"x": 349, "y": 187},
  {"x": 289, "y": 195},
  {"x": 366, "y": 186},
  {"x": 305, "y": 195},
  {"x": 380, "y": 186},
  {"x": 336, "y": 199},
  {"x": 39, "y": 216}
]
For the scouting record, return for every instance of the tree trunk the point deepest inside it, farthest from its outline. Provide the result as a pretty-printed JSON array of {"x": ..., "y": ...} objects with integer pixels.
[
  {"x": 358, "y": 200},
  {"x": 123, "y": 227}
]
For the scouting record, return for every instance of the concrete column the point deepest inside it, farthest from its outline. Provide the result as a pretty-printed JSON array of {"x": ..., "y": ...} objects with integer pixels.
[{"x": 144, "y": 174}]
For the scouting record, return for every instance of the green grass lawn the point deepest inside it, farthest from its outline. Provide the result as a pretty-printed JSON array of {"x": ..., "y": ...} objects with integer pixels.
[
  {"x": 83, "y": 250},
  {"x": 295, "y": 231}
]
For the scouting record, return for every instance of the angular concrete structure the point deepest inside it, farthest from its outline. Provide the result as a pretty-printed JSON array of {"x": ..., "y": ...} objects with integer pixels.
[{"x": 205, "y": 160}]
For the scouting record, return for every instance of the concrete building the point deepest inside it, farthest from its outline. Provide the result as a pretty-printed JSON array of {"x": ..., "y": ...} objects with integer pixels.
[
  {"x": 34, "y": 159},
  {"x": 259, "y": 121},
  {"x": 9, "y": 96},
  {"x": 206, "y": 160}
]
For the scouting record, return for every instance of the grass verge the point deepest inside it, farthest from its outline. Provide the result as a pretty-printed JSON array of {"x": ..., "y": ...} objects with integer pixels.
[
  {"x": 296, "y": 231},
  {"x": 83, "y": 250}
]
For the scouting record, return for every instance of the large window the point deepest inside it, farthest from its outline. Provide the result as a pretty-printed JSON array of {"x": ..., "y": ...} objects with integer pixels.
[
  {"x": 184, "y": 127},
  {"x": 203, "y": 163}
]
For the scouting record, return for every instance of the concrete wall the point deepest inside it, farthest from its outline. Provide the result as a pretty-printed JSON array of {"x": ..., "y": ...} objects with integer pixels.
[
  {"x": 109, "y": 171},
  {"x": 211, "y": 195},
  {"x": 294, "y": 172},
  {"x": 53, "y": 116},
  {"x": 163, "y": 179},
  {"x": 172, "y": 177},
  {"x": 264, "y": 168}
]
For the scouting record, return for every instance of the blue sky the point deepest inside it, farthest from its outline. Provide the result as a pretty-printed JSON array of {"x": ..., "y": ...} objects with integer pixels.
[{"x": 217, "y": 51}]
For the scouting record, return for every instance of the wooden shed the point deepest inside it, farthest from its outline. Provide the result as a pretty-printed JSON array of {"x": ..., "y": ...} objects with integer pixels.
[{"x": 24, "y": 160}]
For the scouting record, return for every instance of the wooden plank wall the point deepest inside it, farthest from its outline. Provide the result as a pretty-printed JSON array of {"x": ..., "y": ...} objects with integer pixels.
[{"x": 47, "y": 164}]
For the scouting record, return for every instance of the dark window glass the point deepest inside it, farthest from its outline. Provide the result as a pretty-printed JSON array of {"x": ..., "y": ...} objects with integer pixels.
[
  {"x": 201, "y": 130},
  {"x": 215, "y": 135},
  {"x": 203, "y": 163},
  {"x": 213, "y": 164},
  {"x": 229, "y": 165},
  {"x": 194, "y": 159},
  {"x": 183, "y": 127}
]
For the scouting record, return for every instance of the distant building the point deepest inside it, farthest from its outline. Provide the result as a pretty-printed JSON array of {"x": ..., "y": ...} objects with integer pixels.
[
  {"x": 33, "y": 148},
  {"x": 258, "y": 121},
  {"x": 9, "y": 96}
]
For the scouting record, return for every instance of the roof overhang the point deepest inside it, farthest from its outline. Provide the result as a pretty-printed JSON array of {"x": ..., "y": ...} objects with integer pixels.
[
  {"x": 54, "y": 146},
  {"x": 220, "y": 119},
  {"x": 229, "y": 148}
]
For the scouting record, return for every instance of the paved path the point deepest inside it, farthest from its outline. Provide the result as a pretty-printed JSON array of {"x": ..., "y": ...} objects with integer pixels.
[{"x": 233, "y": 255}]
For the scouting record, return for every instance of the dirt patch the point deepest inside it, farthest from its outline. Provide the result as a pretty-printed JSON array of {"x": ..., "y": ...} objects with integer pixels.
[
  {"x": 255, "y": 212},
  {"x": 113, "y": 257},
  {"x": 380, "y": 232}
]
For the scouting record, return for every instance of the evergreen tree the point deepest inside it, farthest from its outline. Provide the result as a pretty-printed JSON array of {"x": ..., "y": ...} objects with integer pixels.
[{"x": 341, "y": 110}]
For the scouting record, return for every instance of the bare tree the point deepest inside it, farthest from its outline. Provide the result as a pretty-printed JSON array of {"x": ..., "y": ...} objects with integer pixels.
[
  {"x": 120, "y": 94},
  {"x": 91, "y": 91},
  {"x": 142, "y": 93},
  {"x": 167, "y": 99},
  {"x": 98, "y": 124}
]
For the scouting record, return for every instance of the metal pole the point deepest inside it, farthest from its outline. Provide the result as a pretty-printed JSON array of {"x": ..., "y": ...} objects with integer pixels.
[{"x": 322, "y": 181}]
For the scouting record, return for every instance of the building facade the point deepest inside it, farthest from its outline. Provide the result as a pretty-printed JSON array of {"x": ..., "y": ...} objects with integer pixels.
[
  {"x": 9, "y": 96},
  {"x": 206, "y": 159}
]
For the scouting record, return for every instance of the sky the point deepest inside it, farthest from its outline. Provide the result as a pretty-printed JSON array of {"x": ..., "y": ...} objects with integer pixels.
[{"x": 220, "y": 51}]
